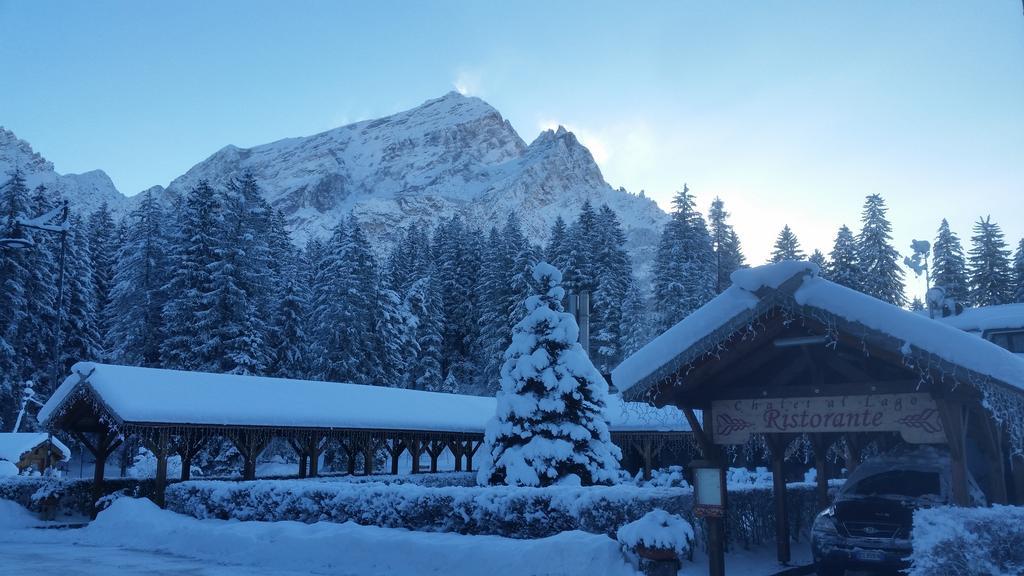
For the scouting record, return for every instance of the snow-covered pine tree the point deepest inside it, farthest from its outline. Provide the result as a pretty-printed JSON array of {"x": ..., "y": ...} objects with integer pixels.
[
  {"x": 494, "y": 290},
  {"x": 13, "y": 274},
  {"x": 787, "y": 247},
  {"x": 615, "y": 276},
  {"x": 917, "y": 305},
  {"x": 880, "y": 272},
  {"x": 81, "y": 339},
  {"x": 425, "y": 368},
  {"x": 580, "y": 272},
  {"x": 558, "y": 250},
  {"x": 817, "y": 257},
  {"x": 842, "y": 267},
  {"x": 189, "y": 326},
  {"x": 36, "y": 333},
  {"x": 458, "y": 262},
  {"x": 1018, "y": 273},
  {"x": 636, "y": 330},
  {"x": 949, "y": 266},
  {"x": 684, "y": 267},
  {"x": 988, "y": 267},
  {"x": 136, "y": 328},
  {"x": 103, "y": 246},
  {"x": 288, "y": 339},
  {"x": 550, "y": 426},
  {"x": 726, "y": 245}
]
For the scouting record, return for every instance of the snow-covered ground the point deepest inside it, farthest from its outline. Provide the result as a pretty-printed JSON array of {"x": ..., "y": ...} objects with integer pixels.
[{"x": 135, "y": 537}]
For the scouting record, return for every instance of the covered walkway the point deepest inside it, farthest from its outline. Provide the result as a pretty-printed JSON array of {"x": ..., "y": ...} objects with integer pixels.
[{"x": 176, "y": 412}]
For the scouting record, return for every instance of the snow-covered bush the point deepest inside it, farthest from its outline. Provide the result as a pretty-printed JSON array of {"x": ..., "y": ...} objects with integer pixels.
[
  {"x": 144, "y": 466},
  {"x": 497, "y": 510},
  {"x": 657, "y": 530},
  {"x": 74, "y": 496},
  {"x": 7, "y": 469},
  {"x": 743, "y": 478},
  {"x": 671, "y": 477},
  {"x": 550, "y": 426},
  {"x": 968, "y": 541}
]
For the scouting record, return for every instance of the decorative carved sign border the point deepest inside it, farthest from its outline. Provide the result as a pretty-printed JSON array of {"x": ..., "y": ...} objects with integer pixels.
[{"x": 914, "y": 415}]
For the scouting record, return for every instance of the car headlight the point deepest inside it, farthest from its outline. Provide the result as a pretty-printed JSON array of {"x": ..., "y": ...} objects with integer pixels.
[{"x": 825, "y": 522}]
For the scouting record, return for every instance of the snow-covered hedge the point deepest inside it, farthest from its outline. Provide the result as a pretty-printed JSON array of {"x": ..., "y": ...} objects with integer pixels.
[
  {"x": 437, "y": 479},
  {"x": 497, "y": 510},
  {"x": 72, "y": 496},
  {"x": 657, "y": 530},
  {"x": 968, "y": 541}
]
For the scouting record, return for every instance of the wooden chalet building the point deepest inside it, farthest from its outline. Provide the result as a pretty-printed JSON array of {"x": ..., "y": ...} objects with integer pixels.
[
  {"x": 784, "y": 353},
  {"x": 36, "y": 451}
]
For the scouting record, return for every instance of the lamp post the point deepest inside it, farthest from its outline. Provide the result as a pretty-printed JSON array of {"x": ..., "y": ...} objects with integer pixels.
[{"x": 53, "y": 222}]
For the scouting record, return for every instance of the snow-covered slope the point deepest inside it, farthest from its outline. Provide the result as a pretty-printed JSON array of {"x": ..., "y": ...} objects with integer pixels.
[
  {"x": 85, "y": 192},
  {"x": 454, "y": 154}
]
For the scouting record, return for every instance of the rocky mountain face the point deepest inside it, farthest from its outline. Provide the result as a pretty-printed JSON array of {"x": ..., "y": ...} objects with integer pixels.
[
  {"x": 85, "y": 192},
  {"x": 451, "y": 155}
]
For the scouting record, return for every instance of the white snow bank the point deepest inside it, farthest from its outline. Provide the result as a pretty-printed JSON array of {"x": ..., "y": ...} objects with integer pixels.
[
  {"x": 14, "y": 444},
  {"x": 7, "y": 469},
  {"x": 151, "y": 395},
  {"x": 968, "y": 541},
  {"x": 350, "y": 548},
  {"x": 771, "y": 276},
  {"x": 657, "y": 529},
  {"x": 14, "y": 515}
]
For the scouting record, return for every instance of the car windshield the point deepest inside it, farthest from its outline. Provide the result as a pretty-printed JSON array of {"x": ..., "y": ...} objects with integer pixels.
[{"x": 910, "y": 483}]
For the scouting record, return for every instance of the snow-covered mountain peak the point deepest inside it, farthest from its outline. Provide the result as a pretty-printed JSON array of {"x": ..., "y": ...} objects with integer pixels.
[{"x": 86, "y": 192}]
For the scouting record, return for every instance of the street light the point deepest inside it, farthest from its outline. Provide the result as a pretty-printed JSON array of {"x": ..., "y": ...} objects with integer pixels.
[{"x": 53, "y": 222}]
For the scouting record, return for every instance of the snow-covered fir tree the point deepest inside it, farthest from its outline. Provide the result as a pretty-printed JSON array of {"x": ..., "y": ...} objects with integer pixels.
[
  {"x": 608, "y": 324},
  {"x": 136, "y": 328},
  {"x": 79, "y": 331},
  {"x": 189, "y": 323},
  {"x": 1018, "y": 273},
  {"x": 423, "y": 304},
  {"x": 949, "y": 266},
  {"x": 103, "y": 247},
  {"x": 289, "y": 354},
  {"x": 684, "y": 267},
  {"x": 787, "y": 247},
  {"x": 726, "y": 245},
  {"x": 459, "y": 263},
  {"x": 580, "y": 272},
  {"x": 877, "y": 260},
  {"x": 989, "y": 271},
  {"x": 550, "y": 426},
  {"x": 557, "y": 250},
  {"x": 817, "y": 257},
  {"x": 842, "y": 267},
  {"x": 917, "y": 305}
]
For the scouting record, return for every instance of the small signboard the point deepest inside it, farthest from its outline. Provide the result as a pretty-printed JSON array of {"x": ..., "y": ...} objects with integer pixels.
[
  {"x": 914, "y": 415},
  {"x": 708, "y": 489}
]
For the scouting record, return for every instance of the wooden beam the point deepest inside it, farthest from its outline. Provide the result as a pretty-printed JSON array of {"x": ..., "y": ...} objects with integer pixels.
[
  {"x": 954, "y": 421},
  {"x": 777, "y": 445}
]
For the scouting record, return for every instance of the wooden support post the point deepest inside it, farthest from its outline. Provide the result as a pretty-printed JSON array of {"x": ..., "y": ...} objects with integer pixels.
[
  {"x": 159, "y": 444},
  {"x": 471, "y": 448},
  {"x": 415, "y": 450},
  {"x": 369, "y": 450},
  {"x": 996, "y": 457},
  {"x": 434, "y": 450},
  {"x": 250, "y": 446},
  {"x": 395, "y": 448},
  {"x": 777, "y": 444},
  {"x": 1017, "y": 472},
  {"x": 954, "y": 421},
  {"x": 854, "y": 446},
  {"x": 647, "y": 456},
  {"x": 456, "y": 448},
  {"x": 821, "y": 443},
  {"x": 100, "y": 454},
  {"x": 313, "y": 451},
  {"x": 188, "y": 445}
]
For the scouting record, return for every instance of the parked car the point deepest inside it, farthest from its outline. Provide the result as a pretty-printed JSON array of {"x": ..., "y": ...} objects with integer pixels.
[{"x": 868, "y": 525}]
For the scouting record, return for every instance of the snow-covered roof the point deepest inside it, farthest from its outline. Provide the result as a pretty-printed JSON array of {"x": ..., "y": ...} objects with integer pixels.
[
  {"x": 14, "y": 444},
  {"x": 796, "y": 285},
  {"x": 154, "y": 396},
  {"x": 1003, "y": 317}
]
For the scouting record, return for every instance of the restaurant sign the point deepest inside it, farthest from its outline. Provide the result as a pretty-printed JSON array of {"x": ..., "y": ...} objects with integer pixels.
[{"x": 914, "y": 415}]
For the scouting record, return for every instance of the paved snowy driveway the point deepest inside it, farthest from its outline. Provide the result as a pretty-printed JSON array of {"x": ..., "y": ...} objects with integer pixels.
[{"x": 50, "y": 553}]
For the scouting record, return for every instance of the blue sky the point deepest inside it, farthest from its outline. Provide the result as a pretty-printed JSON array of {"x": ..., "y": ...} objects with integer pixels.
[{"x": 790, "y": 111}]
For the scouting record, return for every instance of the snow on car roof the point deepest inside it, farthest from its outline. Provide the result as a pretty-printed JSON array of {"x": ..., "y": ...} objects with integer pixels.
[
  {"x": 157, "y": 396},
  {"x": 14, "y": 444},
  {"x": 735, "y": 307}
]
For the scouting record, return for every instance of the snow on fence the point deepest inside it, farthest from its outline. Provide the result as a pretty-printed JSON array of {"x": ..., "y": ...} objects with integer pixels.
[
  {"x": 968, "y": 541},
  {"x": 493, "y": 510}
]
